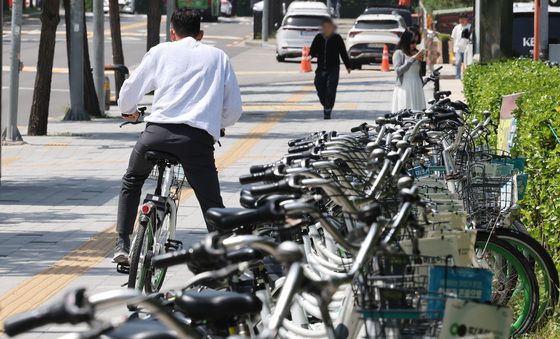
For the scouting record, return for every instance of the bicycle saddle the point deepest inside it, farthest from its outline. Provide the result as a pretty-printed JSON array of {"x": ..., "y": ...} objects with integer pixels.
[
  {"x": 228, "y": 219},
  {"x": 157, "y": 156},
  {"x": 247, "y": 200},
  {"x": 140, "y": 329},
  {"x": 216, "y": 305}
]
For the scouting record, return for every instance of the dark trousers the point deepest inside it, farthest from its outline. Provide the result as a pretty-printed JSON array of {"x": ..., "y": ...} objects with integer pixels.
[
  {"x": 326, "y": 82},
  {"x": 192, "y": 146}
]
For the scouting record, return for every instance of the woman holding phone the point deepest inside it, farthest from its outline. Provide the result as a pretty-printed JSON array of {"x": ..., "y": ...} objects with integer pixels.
[{"x": 407, "y": 59}]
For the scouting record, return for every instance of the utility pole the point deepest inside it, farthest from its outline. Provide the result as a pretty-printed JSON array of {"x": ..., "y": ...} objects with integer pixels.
[
  {"x": 12, "y": 133},
  {"x": 77, "y": 110},
  {"x": 99, "y": 51},
  {"x": 170, "y": 10},
  {"x": 265, "y": 19},
  {"x": 537, "y": 31},
  {"x": 1, "y": 63},
  {"x": 544, "y": 29}
]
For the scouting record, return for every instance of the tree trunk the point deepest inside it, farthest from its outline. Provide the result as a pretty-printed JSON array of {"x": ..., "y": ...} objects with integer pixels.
[
  {"x": 38, "y": 118},
  {"x": 91, "y": 105},
  {"x": 118, "y": 56},
  {"x": 154, "y": 22}
]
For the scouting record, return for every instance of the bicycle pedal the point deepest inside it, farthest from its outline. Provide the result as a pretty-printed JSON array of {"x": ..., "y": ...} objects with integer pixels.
[
  {"x": 173, "y": 245},
  {"x": 123, "y": 268}
]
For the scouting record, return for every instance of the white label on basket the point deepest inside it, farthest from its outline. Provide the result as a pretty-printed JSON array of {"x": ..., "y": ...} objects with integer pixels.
[{"x": 467, "y": 319}]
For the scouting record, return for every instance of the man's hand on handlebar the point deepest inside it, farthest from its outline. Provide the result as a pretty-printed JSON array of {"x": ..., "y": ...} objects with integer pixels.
[{"x": 133, "y": 117}]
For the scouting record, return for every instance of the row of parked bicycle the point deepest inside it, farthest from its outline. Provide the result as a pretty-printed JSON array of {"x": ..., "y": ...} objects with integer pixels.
[{"x": 404, "y": 227}]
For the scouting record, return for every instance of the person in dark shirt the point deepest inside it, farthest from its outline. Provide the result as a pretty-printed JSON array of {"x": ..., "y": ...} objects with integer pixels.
[{"x": 328, "y": 47}]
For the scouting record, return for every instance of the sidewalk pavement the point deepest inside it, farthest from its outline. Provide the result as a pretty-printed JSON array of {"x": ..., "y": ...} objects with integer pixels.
[
  {"x": 59, "y": 192},
  {"x": 449, "y": 83}
]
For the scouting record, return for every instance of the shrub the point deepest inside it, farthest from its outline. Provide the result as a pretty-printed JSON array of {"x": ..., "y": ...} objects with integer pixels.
[{"x": 538, "y": 108}]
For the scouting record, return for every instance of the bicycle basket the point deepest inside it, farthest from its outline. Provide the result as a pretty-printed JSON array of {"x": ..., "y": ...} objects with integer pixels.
[{"x": 489, "y": 192}]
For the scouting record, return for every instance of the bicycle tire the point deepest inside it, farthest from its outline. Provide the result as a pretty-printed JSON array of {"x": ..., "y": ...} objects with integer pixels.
[
  {"x": 540, "y": 256},
  {"x": 138, "y": 246},
  {"x": 525, "y": 321},
  {"x": 159, "y": 274}
]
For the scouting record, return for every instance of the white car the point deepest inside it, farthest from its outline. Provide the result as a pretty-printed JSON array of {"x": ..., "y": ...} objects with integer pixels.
[
  {"x": 307, "y": 6},
  {"x": 125, "y": 6},
  {"x": 225, "y": 7},
  {"x": 370, "y": 33},
  {"x": 300, "y": 25}
]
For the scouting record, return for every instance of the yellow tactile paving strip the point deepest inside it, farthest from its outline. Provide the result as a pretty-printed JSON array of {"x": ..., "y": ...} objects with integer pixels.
[
  {"x": 297, "y": 107},
  {"x": 9, "y": 160},
  {"x": 38, "y": 289}
]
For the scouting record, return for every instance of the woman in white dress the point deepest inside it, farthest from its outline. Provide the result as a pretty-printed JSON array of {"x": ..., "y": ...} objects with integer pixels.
[{"x": 409, "y": 92}]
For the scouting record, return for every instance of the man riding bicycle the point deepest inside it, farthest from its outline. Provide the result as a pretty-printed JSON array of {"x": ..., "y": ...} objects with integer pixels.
[{"x": 196, "y": 94}]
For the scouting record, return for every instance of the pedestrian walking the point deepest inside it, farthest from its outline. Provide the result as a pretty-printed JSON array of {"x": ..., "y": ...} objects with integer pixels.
[
  {"x": 409, "y": 87},
  {"x": 196, "y": 94},
  {"x": 328, "y": 47},
  {"x": 460, "y": 35}
]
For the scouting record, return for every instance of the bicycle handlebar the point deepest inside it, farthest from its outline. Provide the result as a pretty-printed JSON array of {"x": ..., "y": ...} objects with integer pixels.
[
  {"x": 142, "y": 111},
  {"x": 267, "y": 175},
  {"x": 73, "y": 308},
  {"x": 260, "y": 168}
]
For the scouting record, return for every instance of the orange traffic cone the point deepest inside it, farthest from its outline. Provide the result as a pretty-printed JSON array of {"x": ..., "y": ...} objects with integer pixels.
[
  {"x": 385, "y": 61},
  {"x": 305, "y": 65}
]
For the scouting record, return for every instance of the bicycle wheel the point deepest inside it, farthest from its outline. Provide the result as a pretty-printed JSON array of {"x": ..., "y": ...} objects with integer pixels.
[
  {"x": 543, "y": 267},
  {"x": 155, "y": 277},
  {"x": 141, "y": 251},
  {"x": 514, "y": 284}
]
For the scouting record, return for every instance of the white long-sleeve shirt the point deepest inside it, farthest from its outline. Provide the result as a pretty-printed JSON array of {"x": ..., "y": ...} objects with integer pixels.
[
  {"x": 456, "y": 37},
  {"x": 193, "y": 84}
]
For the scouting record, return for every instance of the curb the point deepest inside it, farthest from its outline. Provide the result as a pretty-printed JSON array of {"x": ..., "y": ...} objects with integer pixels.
[{"x": 259, "y": 43}]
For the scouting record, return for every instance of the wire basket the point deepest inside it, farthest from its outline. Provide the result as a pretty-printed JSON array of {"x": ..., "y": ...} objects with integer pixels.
[
  {"x": 489, "y": 191},
  {"x": 409, "y": 292},
  {"x": 178, "y": 181},
  {"x": 395, "y": 285}
]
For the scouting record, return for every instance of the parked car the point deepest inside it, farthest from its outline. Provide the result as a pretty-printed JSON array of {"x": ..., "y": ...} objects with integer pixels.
[
  {"x": 370, "y": 33},
  {"x": 225, "y": 7},
  {"x": 125, "y": 6},
  {"x": 393, "y": 23},
  {"x": 403, "y": 12},
  {"x": 367, "y": 48},
  {"x": 307, "y": 6},
  {"x": 300, "y": 25}
]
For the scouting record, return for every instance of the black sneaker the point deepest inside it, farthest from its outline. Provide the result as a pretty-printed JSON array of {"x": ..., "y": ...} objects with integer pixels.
[
  {"x": 121, "y": 249},
  {"x": 327, "y": 114}
]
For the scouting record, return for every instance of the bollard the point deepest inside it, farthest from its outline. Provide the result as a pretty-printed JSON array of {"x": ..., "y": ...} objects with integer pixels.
[
  {"x": 107, "y": 90},
  {"x": 122, "y": 69}
]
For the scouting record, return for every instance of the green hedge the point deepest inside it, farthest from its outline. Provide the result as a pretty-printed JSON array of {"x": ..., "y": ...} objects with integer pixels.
[{"x": 484, "y": 86}]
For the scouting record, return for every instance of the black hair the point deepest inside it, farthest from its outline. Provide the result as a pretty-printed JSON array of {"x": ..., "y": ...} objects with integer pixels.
[
  {"x": 463, "y": 16},
  {"x": 327, "y": 21},
  {"x": 185, "y": 22},
  {"x": 405, "y": 41},
  {"x": 417, "y": 32}
]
